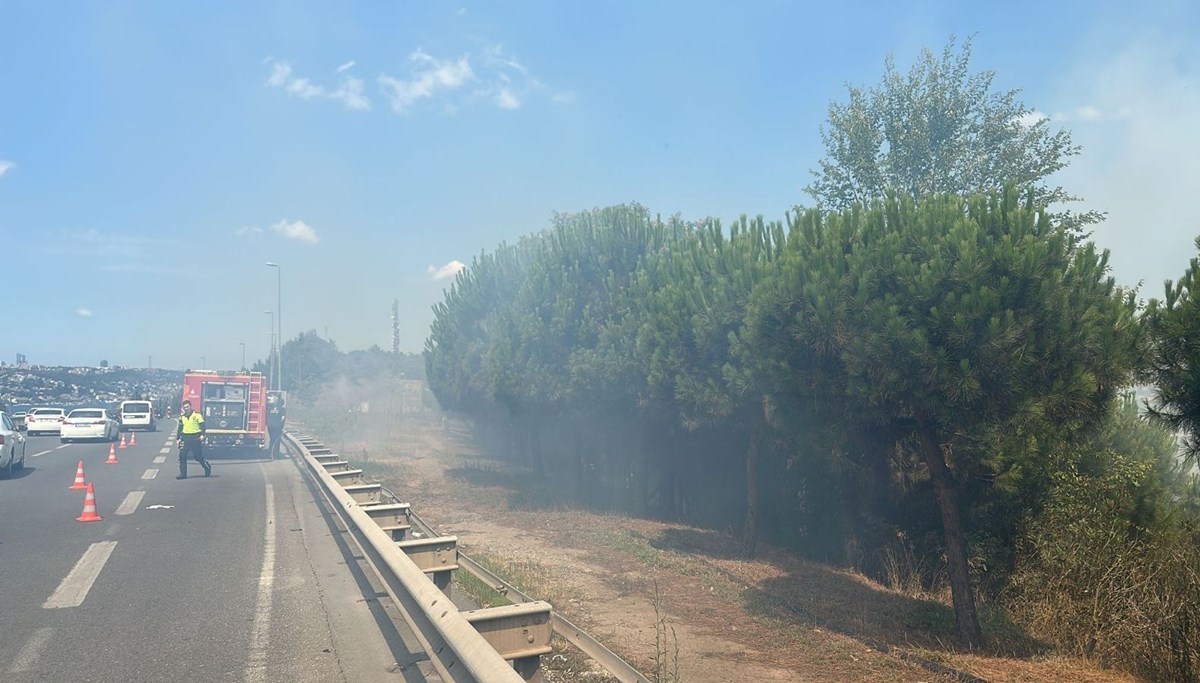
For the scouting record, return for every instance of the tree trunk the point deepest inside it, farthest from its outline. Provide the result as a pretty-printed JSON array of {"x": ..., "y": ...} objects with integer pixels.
[
  {"x": 969, "y": 632},
  {"x": 678, "y": 500},
  {"x": 750, "y": 534}
]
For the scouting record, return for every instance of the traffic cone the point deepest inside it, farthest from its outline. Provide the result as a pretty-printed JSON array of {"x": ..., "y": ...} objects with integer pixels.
[
  {"x": 89, "y": 507},
  {"x": 122, "y": 441},
  {"x": 79, "y": 482},
  {"x": 112, "y": 455},
  {"x": 132, "y": 438}
]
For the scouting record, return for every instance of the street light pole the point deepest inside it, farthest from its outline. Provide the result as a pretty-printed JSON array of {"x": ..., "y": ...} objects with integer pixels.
[
  {"x": 243, "y": 345},
  {"x": 203, "y": 363},
  {"x": 271, "y": 356},
  {"x": 279, "y": 317}
]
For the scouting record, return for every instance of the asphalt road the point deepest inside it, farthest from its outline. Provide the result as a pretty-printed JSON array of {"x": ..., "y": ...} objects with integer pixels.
[{"x": 237, "y": 577}]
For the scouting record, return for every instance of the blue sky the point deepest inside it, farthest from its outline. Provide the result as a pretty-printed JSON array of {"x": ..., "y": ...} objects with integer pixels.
[{"x": 153, "y": 156}]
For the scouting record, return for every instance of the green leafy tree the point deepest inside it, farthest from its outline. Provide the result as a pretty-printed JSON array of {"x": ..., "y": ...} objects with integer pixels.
[
  {"x": 943, "y": 323},
  {"x": 1173, "y": 357},
  {"x": 940, "y": 128}
]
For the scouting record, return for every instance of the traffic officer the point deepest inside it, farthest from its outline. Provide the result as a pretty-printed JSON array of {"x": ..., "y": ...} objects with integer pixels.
[
  {"x": 276, "y": 417},
  {"x": 191, "y": 440}
]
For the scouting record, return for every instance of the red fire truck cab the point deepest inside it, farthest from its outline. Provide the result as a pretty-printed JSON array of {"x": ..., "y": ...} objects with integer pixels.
[{"x": 234, "y": 405}]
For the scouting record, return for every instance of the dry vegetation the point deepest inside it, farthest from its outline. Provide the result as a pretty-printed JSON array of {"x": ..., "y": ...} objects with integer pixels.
[{"x": 642, "y": 586}]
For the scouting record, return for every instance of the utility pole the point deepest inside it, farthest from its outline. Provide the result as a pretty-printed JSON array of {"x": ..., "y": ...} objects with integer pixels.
[{"x": 395, "y": 326}]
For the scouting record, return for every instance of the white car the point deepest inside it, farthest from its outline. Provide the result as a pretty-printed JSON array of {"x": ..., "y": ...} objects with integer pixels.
[
  {"x": 12, "y": 447},
  {"x": 89, "y": 423},
  {"x": 44, "y": 421}
]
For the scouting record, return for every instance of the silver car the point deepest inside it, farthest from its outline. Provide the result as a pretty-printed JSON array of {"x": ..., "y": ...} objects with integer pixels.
[{"x": 12, "y": 447}]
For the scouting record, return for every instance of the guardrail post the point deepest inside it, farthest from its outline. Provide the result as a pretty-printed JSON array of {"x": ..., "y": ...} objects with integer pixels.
[
  {"x": 437, "y": 556},
  {"x": 392, "y": 518},
  {"x": 520, "y": 633}
]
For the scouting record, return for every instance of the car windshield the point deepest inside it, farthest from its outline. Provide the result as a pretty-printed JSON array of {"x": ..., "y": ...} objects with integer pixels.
[
  {"x": 47, "y": 411},
  {"x": 136, "y": 408},
  {"x": 78, "y": 414}
]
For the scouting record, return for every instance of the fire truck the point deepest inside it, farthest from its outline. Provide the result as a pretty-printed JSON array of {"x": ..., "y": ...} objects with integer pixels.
[{"x": 234, "y": 406}]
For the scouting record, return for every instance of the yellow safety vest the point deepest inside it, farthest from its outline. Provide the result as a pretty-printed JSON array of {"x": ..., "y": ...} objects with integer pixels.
[{"x": 192, "y": 423}]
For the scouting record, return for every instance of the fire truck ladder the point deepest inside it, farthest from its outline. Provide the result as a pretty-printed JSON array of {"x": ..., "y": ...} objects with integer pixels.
[{"x": 253, "y": 417}]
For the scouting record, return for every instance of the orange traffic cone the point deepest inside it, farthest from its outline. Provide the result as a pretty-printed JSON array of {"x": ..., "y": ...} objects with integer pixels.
[
  {"x": 122, "y": 441},
  {"x": 132, "y": 438},
  {"x": 89, "y": 507},
  {"x": 112, "y": 455},
  {"x": 79, "y": 483}
]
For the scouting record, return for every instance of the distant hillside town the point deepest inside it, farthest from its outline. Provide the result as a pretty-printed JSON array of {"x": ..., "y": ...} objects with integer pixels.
[{"x": 62, "y": 386}]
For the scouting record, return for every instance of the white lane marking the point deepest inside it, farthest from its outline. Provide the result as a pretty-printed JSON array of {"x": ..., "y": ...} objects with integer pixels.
[
  {"x": 74, "y": 588},
  {"x": 130, "y": 503},
  {"x": 150, "y": 473},
  {"x": 31, "y": 652},
  {"x": 260, "y": 635},
  {"x": 38, "y": 455},
  {"x": 166, "y": 450},
  {"x": 160, "y": 460},
  {"x": 59, "y": 448}
]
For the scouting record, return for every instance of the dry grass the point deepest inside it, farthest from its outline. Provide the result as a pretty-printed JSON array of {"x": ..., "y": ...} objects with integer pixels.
[{"x": 806, "y": 620}]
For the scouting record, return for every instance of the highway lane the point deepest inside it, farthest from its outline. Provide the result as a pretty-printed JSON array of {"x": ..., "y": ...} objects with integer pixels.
[{"x": 231, "y": 578}]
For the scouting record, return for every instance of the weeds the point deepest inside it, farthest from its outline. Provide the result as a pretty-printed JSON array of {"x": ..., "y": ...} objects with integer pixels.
[{"x": 666, "y": 644}]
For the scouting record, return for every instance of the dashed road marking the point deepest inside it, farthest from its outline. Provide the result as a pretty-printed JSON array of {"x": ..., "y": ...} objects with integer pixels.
[
  {"x": 130, "y": 503},
  {"x": 31, "y": 652},
  {"x": 260, "y": 634},
  {"x": 59, "y": 448},
  {"x": 38, "y": 455},
  {"x": 74, "y": 588},
  {"x": 166, "y": 449},
  {"x": 150, "y": 473},
  {"x": 160, "y": 460}
]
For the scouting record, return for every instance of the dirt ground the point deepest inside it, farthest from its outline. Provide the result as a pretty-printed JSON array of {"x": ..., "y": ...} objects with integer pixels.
[{"x": 676, "y": 602}]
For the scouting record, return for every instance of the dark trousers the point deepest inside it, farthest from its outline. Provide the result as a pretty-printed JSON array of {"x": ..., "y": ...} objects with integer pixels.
[
  {"x": 275, "y": 434},
  {"x": 190, "y": 444}
]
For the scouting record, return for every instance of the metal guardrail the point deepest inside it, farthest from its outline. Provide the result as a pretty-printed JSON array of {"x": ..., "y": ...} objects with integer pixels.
[
  {"x": 620, "y": 669},
  {"x": 462, "y": 647}
]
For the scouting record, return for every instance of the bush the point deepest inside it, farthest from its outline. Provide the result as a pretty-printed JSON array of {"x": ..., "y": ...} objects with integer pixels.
[{"x": 1093, "y": 584}]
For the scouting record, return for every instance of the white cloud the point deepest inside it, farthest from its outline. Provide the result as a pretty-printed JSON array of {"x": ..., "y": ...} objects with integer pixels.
[
  {"x": 496, "y": 77},
  {"x": 1091, "y": 114},
  {"x": 280, "y": 73},
  {"x": 461, "y": 11},
  {"x": 447, "y": 271},
  {"x": 296, "y": 230},
  {"x": 429, "y": 76},
  {"x": 564, "y": 97},
  {"x": 505, "y": 99},
  {"x": 346, "y": 67},
  {"x": 5, "y": 167},
  {"x": 248, "y": 230},
  {"x": 350, "y": 92},
  {"x": 83, "y": 312},
  {"x": 1031, "y": 118},
  {"x": 1143, "y": 165}
]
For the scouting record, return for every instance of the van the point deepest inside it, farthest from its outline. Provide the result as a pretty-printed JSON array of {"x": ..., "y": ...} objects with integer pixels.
[{"x": 137, "y": 415}]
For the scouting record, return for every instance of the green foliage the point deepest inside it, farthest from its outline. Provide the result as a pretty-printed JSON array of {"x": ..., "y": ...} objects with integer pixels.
[
  {"x": 1110, "y": 568},
  {"x": 1173, "y": 357},
  {"x": 938, "y": 129}
]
